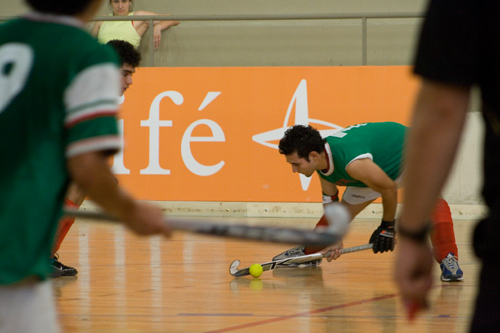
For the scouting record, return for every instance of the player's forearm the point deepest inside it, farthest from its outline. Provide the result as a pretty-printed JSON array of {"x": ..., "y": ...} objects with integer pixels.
[
  {"x": 389, "y": 191},
  {"x": 389, "y": 204},
  {"x": 432, "y": 143},
  {"x": 92, "y": 174}
]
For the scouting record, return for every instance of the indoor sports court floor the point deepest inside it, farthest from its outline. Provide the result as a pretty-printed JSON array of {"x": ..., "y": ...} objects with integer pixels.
[{"x": 131, "y": 284}]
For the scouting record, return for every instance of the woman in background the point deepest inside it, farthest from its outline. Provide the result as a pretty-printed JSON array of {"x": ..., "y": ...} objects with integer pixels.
[{"x": 130, "y": 31}]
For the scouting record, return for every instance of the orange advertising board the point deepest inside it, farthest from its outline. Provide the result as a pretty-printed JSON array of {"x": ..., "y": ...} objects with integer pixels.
[{"x": 211, "y": 134}]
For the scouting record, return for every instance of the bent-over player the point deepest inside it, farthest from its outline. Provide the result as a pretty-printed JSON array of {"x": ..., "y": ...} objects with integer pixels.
[{"x": 366, "y": 159}]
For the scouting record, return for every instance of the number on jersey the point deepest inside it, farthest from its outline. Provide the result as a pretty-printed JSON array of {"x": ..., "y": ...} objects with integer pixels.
[{"x": 16, "y": 61}]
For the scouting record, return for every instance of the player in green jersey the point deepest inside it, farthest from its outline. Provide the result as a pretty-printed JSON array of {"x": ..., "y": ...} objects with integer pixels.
[
  {"x": 366, "y": 159},
  {"x": 129, "y": 60},
  {"x": 57, "y": 121}
]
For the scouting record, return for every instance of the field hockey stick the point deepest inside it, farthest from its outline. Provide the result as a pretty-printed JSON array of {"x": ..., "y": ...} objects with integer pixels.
[
  {"x": 234, "y": 271},
  {"x": 326, "y": 237}
]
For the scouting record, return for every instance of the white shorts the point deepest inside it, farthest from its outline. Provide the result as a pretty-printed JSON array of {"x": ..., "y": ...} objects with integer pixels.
[
  {"x": 28, "y": 307},
  {"x": 358, "y": 195}
]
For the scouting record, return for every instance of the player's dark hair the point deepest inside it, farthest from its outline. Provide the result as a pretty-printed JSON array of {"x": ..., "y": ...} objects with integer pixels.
[
  {"x": 60, "y": 7},
  {"x": 127, "y": 52},
  {"x": 303, "y": 140}
]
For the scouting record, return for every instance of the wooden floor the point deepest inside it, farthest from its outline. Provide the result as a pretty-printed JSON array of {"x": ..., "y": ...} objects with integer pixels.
[{"x": 131, "y": 284}]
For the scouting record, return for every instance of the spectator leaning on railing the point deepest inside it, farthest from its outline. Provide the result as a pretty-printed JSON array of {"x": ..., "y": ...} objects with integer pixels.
[{"x": 130, "y": 31}]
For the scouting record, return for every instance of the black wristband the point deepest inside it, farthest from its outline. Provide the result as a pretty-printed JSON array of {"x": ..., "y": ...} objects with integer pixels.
[
  {"x": 419, "y": 236},
  {"x": 388, "y": 224}
]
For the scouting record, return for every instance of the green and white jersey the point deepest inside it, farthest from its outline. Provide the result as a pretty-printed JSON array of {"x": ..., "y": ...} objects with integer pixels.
[
  {"x": 58, "y": 99},
  {"x": 380, "y": 142}
]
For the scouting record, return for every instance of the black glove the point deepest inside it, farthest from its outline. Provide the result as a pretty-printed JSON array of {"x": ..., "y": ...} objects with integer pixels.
[{"x": 383, "y": 238}]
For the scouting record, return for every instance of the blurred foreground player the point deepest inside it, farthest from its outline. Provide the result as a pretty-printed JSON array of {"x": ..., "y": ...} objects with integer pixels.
[
  {"x": 459, "y": 47},
  {"x": 366, "y": 159},
  {"x": 57, "y": 120},
  {"x": 129, "y": 60}
]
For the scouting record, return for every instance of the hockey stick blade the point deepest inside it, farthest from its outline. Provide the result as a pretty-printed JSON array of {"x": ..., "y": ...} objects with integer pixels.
[
  {"x": 234, "y": 271},
  {"x": 235, "y": 230}
]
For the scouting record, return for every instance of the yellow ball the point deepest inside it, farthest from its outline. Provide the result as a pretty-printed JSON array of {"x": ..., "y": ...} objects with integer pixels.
[{"x": 256, "y": 270}]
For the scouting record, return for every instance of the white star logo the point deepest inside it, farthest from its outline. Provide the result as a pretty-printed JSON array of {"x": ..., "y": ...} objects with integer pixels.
[{"x": 301, "y": 118}]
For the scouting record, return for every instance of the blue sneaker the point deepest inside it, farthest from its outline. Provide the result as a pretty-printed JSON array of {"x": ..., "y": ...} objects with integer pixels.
[
  {"x": 296, "y": 252},
  {"x": 450, "y": 271}
]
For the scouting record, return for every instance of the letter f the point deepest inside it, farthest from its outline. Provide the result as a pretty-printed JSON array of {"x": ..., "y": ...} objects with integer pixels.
[{"x": 154, "y": 123}]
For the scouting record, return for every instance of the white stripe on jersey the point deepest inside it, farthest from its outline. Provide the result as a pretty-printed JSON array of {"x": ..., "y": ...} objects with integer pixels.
[
  {"x": 91, "y": 111},
  {"x": 93, "y": 91},
  {"x": 100, "y": 143}
]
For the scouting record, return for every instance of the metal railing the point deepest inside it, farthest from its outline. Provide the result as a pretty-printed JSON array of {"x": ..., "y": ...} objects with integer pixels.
[{"x": 364, "y": 17}]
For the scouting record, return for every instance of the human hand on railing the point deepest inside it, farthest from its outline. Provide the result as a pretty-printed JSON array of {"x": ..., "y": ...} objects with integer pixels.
[{"x": 157, "y": 36}]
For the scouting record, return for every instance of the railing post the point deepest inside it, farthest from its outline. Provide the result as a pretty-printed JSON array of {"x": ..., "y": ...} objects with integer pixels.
[
  {"x": 151, "y": 44},
  {"x": 364, "y": 42}
]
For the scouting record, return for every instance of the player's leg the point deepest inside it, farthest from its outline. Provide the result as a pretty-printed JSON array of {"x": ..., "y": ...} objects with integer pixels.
[
  {"x": 28, "y": 306},
  {"x": 485, "y": 318},
  {"x": 74, "y": 199},
  {"x": 444, "y": 244}
]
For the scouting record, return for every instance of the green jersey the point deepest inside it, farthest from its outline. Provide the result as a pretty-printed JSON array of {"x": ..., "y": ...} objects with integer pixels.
[
  {"x": 380, "y": 142},
  {"x": 58, "y": 99}
]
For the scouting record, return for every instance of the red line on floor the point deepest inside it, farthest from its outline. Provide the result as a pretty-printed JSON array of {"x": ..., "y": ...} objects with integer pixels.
[{"x": 307, "y": 313}]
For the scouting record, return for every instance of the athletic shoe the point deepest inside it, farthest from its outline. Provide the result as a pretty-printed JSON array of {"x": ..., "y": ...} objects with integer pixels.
[
  {"x": 59, "y": 269},
  {"x": 450, "y": 271},
  {"x": 296, "y": 252}
]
